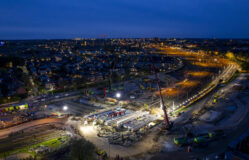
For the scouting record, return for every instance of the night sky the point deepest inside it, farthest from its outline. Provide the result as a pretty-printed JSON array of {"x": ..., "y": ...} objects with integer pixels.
[{"x": 54, "y": 19}]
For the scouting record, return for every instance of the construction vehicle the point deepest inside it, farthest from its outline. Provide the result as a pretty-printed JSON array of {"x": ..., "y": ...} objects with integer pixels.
[
  {"x": 181, "y": 141},
  {"x": 199, "y": 139},
  {"x": 99, "y": 151},
  {"x": 214, "y": 101},
  {"x": 216, "y": 134}
]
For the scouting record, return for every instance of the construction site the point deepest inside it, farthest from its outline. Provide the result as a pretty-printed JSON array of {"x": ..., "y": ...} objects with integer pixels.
[
  {"x": 130, "y": 123},
  {"x": 121, "y": 126},
  {"x": 156, "y": 112}
]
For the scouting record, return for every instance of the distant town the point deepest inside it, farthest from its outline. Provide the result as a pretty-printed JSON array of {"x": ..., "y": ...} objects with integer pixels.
[{"x": 124, "y": 98}]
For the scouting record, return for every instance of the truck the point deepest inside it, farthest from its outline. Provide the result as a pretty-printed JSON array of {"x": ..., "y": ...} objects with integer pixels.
[{"x": 183, "y": 141}]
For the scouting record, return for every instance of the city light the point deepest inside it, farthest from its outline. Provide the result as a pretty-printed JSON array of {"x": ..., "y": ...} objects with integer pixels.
[
  {"x": 65, "y": 108},
  {"x": 118, "y": 95}
]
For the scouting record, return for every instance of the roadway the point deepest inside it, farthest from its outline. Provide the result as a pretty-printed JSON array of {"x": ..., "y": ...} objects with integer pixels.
[
  {"x": 224, "y": 76},
  {"x": 39, "y": 100}
]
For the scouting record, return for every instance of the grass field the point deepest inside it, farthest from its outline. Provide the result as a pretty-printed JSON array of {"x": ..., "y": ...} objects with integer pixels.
[{"x": 52, "y": 143}]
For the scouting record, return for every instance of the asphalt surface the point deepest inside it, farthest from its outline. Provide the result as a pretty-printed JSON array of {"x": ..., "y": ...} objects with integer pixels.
[{"x": 225, "y": 75}]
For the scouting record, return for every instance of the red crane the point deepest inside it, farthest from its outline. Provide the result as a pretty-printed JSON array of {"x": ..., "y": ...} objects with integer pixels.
[{"x": 166, "y": 120}]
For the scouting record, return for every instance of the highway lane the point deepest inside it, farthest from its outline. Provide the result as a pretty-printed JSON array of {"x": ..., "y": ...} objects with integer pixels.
[
  {"x": 47, "y": 98},
  {"x": 225, "y": 76},
  {"x": 227, "y": 73},
  {"x": 5, "y": 132}
]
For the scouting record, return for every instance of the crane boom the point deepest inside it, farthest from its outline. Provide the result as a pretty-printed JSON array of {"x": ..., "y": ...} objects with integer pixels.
[{"x": 166, "y": 120}]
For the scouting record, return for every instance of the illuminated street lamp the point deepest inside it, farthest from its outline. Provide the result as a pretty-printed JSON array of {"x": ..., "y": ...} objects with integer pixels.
[
  {"x": 173, "y": 108},
  {"x": 118, "y": 95},
  {"x": 65, "y": 108}
]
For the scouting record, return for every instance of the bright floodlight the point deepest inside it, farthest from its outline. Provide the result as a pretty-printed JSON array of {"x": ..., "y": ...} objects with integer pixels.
[
  {"x": 118, "y": 95},
  {"x": 87, "y": 130},
  {"x": 65, "y": 108}
]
